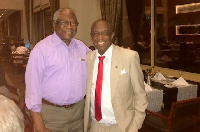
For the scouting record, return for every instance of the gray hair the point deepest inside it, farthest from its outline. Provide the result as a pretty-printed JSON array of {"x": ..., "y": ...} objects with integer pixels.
[
  {"x": 55, "y": 17},
  {"x": 11, "y": 117}
]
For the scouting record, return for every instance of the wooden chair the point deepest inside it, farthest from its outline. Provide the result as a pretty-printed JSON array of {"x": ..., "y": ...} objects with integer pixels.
[
  {"x": 182, "y": 117},
  {"x": 17, "y": 61}
]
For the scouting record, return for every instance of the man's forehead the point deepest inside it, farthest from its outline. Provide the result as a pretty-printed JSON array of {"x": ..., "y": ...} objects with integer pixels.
[
  {"x": 101, "y": 26},
  {"x": 67, "y": 14}
]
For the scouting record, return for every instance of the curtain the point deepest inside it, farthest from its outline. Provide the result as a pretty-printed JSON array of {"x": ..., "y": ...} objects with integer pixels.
[
  {"x": 54, "y": 6},
  {"x": 27, "y": 6},
  {"x": 111, "y": 11},
  {"x": 39, "y": 32},
  {"x": 135, "y": 11}
]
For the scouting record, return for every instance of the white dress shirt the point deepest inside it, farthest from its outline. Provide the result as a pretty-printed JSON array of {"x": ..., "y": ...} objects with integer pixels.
[{"x": 108, "y": 116}]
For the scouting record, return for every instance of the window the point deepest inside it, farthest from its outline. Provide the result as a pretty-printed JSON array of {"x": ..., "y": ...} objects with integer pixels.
[
  {"x": 175, "y": 44},
  {"x": 177, "y": 36}
]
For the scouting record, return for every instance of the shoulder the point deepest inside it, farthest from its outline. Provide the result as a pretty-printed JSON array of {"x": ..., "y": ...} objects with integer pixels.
[
  {"x": 78, "y": 42},
  {"x": 80, "y": 45},
  {"x": 45, "y": 45},
  {"x": 90, "y": 55},
  {"x": 125, "y": 52},
  {"x": 44, "y": 42}
]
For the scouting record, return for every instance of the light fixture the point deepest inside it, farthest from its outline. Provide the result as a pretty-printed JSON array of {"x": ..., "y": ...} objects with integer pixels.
[
  {"x": 4, "y": 12},
  {"x": 193, "y": 29},
  {"x": 192, "y": 7}
]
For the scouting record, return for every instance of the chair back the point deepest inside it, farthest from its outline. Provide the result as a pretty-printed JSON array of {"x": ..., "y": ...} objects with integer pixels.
[
  {"x": 185, "y": 108},
  {"x": 17, "y": 61},
  {"x": 17, "y": 58}
]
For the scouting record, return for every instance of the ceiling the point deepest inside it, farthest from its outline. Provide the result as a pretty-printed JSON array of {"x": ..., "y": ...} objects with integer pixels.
[{"x": 4, "y": 13}]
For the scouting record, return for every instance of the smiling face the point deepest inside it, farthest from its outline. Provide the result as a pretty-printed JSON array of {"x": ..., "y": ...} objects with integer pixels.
[
  {"x": 102, "y": 35},
  {"x": 66, "y": 25}
]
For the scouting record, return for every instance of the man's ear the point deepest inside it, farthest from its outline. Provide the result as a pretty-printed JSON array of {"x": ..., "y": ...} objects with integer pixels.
[
  {"x": 54, "y": 25},
  {"x": 113, "y": 36}
]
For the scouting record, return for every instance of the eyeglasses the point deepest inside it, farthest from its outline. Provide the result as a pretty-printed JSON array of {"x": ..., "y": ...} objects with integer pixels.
[{"x": 66, "y": 23}]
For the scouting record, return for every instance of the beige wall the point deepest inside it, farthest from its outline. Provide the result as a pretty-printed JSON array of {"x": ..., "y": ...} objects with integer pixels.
[
  {"x": 88, "y": 11},
  {"x": 12, "y": 4},
  {"x": 17, "y": 5}
]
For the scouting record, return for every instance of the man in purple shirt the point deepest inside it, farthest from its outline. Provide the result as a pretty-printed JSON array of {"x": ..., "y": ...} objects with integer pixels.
[{"x": 56, "y": 77}]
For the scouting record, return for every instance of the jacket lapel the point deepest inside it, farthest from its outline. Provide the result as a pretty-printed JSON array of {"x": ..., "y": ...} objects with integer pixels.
[
  {"x": 116, "y": 66},
  {"x": 90, "y": 64}
]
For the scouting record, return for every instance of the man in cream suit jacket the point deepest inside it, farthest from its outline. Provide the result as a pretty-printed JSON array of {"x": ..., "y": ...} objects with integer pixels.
[{"x": 123, "y": 98}]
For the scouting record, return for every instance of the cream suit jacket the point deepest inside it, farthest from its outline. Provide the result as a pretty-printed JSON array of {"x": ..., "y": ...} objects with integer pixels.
[{"x": 129, "y": 99}]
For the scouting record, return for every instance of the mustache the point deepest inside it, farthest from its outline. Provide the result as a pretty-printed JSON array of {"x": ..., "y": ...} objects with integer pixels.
[{"x": 72, "y": 31}]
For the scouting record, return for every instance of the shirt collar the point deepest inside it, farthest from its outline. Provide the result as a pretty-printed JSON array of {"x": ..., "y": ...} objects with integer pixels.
[{"x": 107, "y": 54}]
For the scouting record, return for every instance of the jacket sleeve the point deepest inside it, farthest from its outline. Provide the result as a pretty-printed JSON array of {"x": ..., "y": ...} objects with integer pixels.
[{"x": 140, "y": 98}]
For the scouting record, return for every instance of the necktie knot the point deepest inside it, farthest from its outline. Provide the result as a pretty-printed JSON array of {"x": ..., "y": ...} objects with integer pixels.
[{"x": 101, "y": 58}]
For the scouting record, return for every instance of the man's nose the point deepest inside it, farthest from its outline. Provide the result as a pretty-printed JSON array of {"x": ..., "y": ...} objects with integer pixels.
[
  {"x": 100, "y": 36},
  {"x": 68, "y": 25}
]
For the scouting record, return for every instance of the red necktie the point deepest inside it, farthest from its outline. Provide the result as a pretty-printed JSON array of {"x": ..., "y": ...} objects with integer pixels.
[{"x": 98, "y": 90}]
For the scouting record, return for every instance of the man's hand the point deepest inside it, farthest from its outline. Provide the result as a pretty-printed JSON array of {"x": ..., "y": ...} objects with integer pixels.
[{"x": 38, "y": 121}]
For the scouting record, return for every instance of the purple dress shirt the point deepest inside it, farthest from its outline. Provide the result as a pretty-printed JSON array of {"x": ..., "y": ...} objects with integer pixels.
[{"x": 56, "y": 72}]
